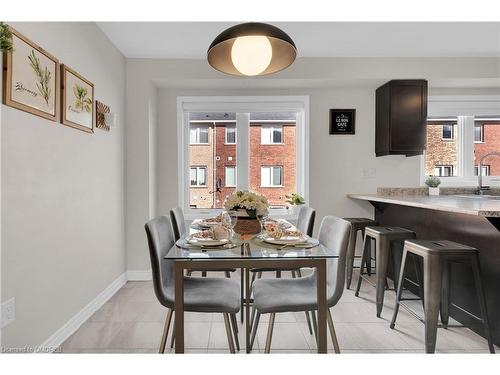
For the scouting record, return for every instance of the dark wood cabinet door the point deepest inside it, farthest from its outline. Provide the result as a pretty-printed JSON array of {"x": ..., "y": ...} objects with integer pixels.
[{"x": 408, "y": 116}]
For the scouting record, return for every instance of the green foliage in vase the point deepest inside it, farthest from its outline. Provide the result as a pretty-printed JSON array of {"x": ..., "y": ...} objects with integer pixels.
[
  {"x": 433, "y": 181},
  {"x": 5, "y": 38},
  {"x": 42, "y": 75},
  {"x": 295, "y": 199},
  {"x": 82, "y": 102}
]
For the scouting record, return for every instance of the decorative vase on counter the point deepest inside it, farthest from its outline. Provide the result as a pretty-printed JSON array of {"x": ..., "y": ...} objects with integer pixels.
[
  {"x": 434, "y": 191},
  {"x": 247, "y": 222}
]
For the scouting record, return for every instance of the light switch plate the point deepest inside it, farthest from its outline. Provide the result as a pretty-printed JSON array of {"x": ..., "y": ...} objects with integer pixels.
[{"x": 8, "y": 312}]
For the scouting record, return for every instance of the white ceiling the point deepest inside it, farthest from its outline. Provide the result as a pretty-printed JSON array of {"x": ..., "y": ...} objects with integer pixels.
[{"x": 190, "y": 40}]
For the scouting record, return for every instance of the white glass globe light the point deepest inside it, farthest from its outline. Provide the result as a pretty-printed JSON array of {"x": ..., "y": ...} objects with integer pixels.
[{"x": 251, "y": 54}]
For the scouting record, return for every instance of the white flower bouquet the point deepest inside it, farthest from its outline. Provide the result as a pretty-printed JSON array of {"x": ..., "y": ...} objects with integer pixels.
[{"x": 253, "y": 204}]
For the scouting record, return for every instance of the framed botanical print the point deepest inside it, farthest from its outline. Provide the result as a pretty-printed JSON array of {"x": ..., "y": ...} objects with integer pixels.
[
  {"x": 31, "y": 78},
  {"x": 77, "y": 101}
]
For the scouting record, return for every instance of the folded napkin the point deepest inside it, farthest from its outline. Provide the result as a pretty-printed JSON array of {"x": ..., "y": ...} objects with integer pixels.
[
  {"x": 219, "y": 232},
  {"x": 274, "y": 230}
]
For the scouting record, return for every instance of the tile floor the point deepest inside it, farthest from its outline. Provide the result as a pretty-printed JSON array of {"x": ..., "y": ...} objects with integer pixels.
[{"x": 132, "y": 322}]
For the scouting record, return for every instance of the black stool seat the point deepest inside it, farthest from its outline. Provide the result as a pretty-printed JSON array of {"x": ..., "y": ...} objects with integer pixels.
[
  {"x": 383, "y": 237},
  {"x": 437, "y": 255},
  {"x": 357, "y": 224}
]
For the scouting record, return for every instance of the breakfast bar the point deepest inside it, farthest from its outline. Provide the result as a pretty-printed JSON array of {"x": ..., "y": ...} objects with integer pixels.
[{"x": 464, "y": 218}]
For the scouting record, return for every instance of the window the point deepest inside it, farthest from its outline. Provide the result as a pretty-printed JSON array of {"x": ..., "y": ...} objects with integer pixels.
[
  {"x": 198, "y": 134},
  {"x": 198, "y": 176},
  {"x": 440, "y": 150},
  {"x": 443, "y": 170},
  {"x": 271, "y": 135},
  {"x": 234, "y": 155},
  {"x": 478, "y": 133},
  {"x": 230, "y": 176},
  {"x": 271, "y": 176},
  {"x": 485, "y": 170},
  {"x": 447, "y": 132},
  {"x": 230, "y": 134}
]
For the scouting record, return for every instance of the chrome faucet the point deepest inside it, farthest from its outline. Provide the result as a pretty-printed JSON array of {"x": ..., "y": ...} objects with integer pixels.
[{"x": 480, "y": 187}]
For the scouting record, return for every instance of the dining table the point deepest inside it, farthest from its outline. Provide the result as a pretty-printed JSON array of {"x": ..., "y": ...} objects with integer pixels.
[{"x": 246, "y": 252}]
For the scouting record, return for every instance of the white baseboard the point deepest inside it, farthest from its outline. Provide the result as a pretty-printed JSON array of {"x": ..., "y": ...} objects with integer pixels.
[
  {"x": 54, "y": 341},
  {"x": 139, "y": 275}
]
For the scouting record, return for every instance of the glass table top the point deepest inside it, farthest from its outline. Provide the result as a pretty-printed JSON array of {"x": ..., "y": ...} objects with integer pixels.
[{"x": 252, "y": 248}]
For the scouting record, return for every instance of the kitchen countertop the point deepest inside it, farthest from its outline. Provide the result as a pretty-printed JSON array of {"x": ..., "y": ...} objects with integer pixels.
[{"x": 464, "y": 204}]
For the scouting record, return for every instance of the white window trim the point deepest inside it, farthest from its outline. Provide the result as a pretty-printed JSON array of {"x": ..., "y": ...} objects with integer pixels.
[
  {"x": 466, "y": 107},
  {"x": 235, "y": 176},
  {"x": 243, "y": 105},
  {"x": 235, "y": 136},
  {"x": 452, "y": 132},
  {"x": 271, "y": 143},
  {"x": 198, "y": 137},
  {"x": 198, "y": 167},
  {"x": 271, "y": 176}
]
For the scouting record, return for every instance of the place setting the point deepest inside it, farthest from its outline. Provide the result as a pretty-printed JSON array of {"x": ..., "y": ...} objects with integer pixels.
[{"x": 277, "y": 236}]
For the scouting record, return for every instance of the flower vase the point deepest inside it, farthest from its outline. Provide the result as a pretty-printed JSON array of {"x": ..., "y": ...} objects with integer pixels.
[
  {"x": 434, "y": 191},
  {"x": 247, "y": 223}
]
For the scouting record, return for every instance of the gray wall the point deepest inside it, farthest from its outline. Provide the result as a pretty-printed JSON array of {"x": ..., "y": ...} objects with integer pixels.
[
  {"x": 336, "y": 162},
  {"x": 62, "y": 194}
]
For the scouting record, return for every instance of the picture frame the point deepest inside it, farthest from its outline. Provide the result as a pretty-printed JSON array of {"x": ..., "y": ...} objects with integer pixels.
[
  {"x": 77, "y": 100},
  {"x": 342, "y": 121},
  {"x": 30, "y": 78}
]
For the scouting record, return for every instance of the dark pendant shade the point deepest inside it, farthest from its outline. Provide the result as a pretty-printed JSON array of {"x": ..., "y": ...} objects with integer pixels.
[{"x": 280, "y": 50}]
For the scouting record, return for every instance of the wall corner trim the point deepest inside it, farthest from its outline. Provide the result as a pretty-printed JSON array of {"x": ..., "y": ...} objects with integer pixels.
[
  {"x": 70, "y": 327},
  {"x": 139, "y": 275}
]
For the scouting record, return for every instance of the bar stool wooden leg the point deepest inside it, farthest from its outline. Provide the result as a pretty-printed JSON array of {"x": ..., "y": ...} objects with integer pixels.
[
  {"x": 382, "y": 257},
  {"x": 400, "y": 288},
  {"x": 350, "y": 258},
  {"x": 482, "y": 301},
  {"x": 432, "y": 296}
]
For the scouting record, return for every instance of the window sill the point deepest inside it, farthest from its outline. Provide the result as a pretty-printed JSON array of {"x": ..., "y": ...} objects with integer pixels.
[
  {"x": 272, "y": 144},
  {"x": 271, "y": 187}
]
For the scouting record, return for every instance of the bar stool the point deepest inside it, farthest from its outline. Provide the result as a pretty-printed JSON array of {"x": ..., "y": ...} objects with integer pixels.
[
  {"x": 437, "y": 256},
  {"x": 383, "y": 237},
  {"x": 357, "y": 224}
]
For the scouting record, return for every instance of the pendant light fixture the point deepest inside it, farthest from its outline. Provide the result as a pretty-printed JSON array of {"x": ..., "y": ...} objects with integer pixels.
[{"x": 252, "y": 49}]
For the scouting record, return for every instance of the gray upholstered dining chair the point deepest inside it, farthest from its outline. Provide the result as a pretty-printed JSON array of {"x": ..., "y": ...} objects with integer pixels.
[
  {"x": 179, "y": 229},
  {"x": 203, "y": 295},
  {"x": 305, "y": 224},
  {"x": 272, "y": 296}
]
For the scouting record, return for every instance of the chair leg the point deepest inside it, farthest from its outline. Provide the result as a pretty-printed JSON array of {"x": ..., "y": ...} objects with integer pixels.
[
  {"x": 432, "y": 295},
  {"x": 400, "y": 289},
  {"x": 189, "y": 272},
  {"x": 382, "y": 257},
  {"x": 269, "y": 333},
  {"x": 228, "y": 274},
  {"x": 172, "y": 339},
  {"x": 234, "y": 323},
  {"x": 166, "y": 328},
  {"x": 255, "y": 326},
  {"x": 229, "y": 333},
  {"x": 364, "y": 256},
  {"x": 444, "y": 306},
  {"x": 418, "y": 273},
  {"x": 350, "y": 258},
  {"x": 296, "y": 273},
  {"x": 336, "y": 346},
  {"x": 315, "y": 325},
  {"x": 368, "y": 259},
  {"x": 482, "y": 302}
]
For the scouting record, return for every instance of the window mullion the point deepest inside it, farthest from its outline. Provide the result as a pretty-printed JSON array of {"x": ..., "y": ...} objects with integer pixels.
[{"x": 242, "y": 150}]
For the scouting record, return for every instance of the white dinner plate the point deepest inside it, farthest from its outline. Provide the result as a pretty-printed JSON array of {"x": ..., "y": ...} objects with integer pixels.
[
  {"x": 206, "y": 242},
  {"x": 287, "y": 240}
]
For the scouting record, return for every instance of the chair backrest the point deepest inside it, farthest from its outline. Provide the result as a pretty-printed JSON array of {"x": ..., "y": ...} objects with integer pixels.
[
  {"x": 334, "y": 234},
  {"x": 305, "y": 220},
  {"x": 178, "y": 222},
  {"x": 160, "y": 241}
]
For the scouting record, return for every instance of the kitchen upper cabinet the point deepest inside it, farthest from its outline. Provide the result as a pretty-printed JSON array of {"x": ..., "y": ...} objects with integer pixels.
[{"x": 401, "y": 117}]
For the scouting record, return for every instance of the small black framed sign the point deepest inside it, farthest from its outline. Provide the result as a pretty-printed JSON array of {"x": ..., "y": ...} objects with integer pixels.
[{"x": 342, "y": 121}]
